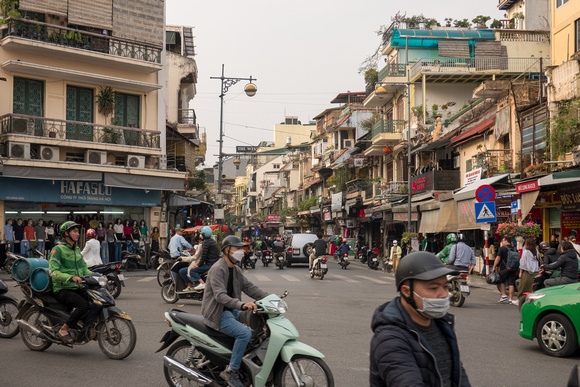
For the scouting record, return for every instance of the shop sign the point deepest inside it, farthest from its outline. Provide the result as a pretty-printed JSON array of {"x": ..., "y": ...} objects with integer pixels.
[
  {"x": 273, "y": 218},
  {"x": 527, "y": 187},
  {"x": 377, "y": 215},
  {"x": 465, "y": 211},
  {"x": 503, "y": 213},
  {"x": 471, "y": 177},
  {"x": 569, "y": 221},
  {"x": 435, "y": 180},
  {"x": 548, "y": 199},
  {"x": 570, "y": 196},
  {"x": 404, "y": 216},
  {"x": 350, "y": 223},
  {"x": 336, "y": 203},
  {"x": 327, "y": 216}
]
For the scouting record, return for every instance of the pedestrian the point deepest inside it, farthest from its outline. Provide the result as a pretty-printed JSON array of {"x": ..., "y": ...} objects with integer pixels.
[
  {"x": 118, "y": 227},
  {"x": 414, "y": 343},
  {"x": 506, "y": 274},
  {"x": 92, "y": 251},
  {"x": 144, "y": 232},
  {"x": 127, "y": 235},
  {"x": 49, "y": 236},
  {"x": 135, "y": 236},
  {"x": 554, "y": 241},
  {"x": 576, "y": 245},
  {"x": 102, "y": 238},
  {"x": 155, "y": 239},
  {"x": 18, "y": 235},
  {"x": 111, "y": 241},
  {"x": 529, "y": 268},
  {"x": 9, "y": 235},
  {"x": 395, "y": 256},
  {"x": 40, "y": 235},
  {"x": 27, "y": 243}
]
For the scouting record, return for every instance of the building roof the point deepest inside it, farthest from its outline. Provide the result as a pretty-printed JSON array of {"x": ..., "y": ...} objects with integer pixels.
[
  {"x": 326, "y": 111},
  {"x": 352, "y": 97},
  {"x": 419, "y": 38},
  {"x": 477, "y": 129}
]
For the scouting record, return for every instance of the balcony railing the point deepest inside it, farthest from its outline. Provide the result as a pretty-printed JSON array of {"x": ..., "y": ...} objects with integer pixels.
[
  {"x": 187, "y": 117},
  {"x": 357, "y": 185},
  {"x": 394, "y": 188},
  {"x": 500, "y": 160},
  {"x": 523, "y": 36},
  {"x": 475, "y": 65},
  {"x": 19, "y": 124},
  {"x": 388, "y": 126},
  {"x": 86, "y": 40},
  {"x": 393, "y": 70}
]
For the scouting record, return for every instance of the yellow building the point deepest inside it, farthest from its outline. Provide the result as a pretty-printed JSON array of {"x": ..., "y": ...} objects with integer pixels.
[{"x": 565, "y": 32}]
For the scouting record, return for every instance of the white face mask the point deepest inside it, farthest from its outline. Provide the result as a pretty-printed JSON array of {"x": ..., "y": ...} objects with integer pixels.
[
  {"x": 433, "y": 307},
  {"x": 238, "y": 255}
]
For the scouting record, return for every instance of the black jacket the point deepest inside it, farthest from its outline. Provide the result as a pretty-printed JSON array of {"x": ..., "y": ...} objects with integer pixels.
[
  {"x": 568, "y": 264},
  {"x": 400, "y": 355},
  {"x": 209, "y": 252},
  {"x": 550, "y": 256}
]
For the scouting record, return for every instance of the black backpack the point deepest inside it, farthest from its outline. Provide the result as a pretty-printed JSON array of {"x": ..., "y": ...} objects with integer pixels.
[{"x": 513, "y": 259}]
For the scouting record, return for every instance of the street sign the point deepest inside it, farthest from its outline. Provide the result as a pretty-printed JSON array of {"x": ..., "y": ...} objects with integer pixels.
[
  {"x": 246, "y": 149},
  {"x": 257, "y": 228},
  {"x": 514, "y": 207},
  {"x": 257, "y": 232},
  {"x": 218, "y": 213},
  {"x": 485, "y": 193},
  {"x": 485, "y": 212}
]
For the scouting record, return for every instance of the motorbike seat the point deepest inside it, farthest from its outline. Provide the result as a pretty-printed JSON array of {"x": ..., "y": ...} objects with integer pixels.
[
  {"x": 196, "y": 321},
  {"x": 49, "y": 300}
]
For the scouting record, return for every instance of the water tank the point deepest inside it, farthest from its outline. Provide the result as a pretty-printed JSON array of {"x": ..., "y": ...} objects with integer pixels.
[{"x": 288, "y": 141}]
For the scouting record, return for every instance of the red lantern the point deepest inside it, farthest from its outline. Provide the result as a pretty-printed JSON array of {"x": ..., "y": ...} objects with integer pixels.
[{"x": 387, "y": 149}]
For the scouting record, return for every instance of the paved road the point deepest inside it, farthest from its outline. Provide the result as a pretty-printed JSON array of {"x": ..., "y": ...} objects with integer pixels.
[{"x": 332, "y": 315}]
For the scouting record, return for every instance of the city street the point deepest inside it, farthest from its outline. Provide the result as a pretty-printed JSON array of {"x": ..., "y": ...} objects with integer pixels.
[{"x": 332, "y": 315}]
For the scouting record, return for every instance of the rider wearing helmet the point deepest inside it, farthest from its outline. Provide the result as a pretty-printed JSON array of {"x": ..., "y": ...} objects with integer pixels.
[
  {"x": 414, "y": 343},
  {"x": 209, "y": 254},
  {"x": 177, "y": 243},
  {"x": 92, "y": 251},
  {"x": 461, "y": 256},
  {"x": 66, "y": 267},
  {"x": 549, "y": 254},
  {"x": 344, "y": 248},
  {"x": 222, "y": 305},
  {"x": 451, "y": 241}
]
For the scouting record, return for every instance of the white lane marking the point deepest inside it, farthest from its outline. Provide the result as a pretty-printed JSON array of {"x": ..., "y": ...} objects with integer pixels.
[
  {"x": 289, "y": 278},
  {"x": 148, "y": 279},
  {"x": 262, "y": 278},
  {"x": 372, "y": 279},
  {"x": 346, "y": 279}
]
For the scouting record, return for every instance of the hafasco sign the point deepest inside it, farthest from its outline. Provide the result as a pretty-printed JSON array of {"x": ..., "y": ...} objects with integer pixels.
[{"x": 84, "y": 190}]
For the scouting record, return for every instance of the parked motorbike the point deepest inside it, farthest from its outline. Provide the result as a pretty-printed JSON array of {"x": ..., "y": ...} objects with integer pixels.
[
  {"x": 362, "y": 254},
  {"x": 373, "y": 260},
  {"x": 9, "y": 262},
  {"x": 344, "y": 262},
  {"x": 249, "y": 260},
  {"x": 41, "y": 316},
  {"x": 266, "y": 257},
  {"x": 273, "y": 357},
  {"x": 132, "y": 261},
  {"x": 458, "y": 288},
  {"x": 8, "y": 312},
  {"x": 280, "y": 261},
  {"x": 173, "y": 288},
  {"x": 111, "y": 271},
  {"x": 319, "y": 268}
]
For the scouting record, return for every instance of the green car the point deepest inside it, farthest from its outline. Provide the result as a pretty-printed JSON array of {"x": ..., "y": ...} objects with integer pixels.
[{"x": 552, "y": 316}]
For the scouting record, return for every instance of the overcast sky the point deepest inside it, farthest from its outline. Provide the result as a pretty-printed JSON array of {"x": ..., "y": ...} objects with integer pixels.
[{"x": 303, "y": 54}]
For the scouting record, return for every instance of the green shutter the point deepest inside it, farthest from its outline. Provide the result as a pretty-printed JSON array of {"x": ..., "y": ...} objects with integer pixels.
[{"x": 79, "y": 107}]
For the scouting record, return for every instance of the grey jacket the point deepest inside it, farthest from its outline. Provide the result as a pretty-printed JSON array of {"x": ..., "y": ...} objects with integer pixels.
[{"x": 216, "y": 297}]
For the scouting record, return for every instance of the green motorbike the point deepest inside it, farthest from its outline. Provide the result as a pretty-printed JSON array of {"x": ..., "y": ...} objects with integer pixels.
[{"x": 274, "y": 357}]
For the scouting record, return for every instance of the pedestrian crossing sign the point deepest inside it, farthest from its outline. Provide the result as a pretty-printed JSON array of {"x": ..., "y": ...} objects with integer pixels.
[{"x": 485, "y": 212}]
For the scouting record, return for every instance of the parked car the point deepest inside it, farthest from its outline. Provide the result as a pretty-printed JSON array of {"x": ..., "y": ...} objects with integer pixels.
[
  {"x": 552, "y": 317},
  {"x": 297, "y": 248}
]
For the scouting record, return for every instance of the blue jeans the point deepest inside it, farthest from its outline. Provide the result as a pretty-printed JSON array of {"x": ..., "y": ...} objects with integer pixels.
[
  {"x": 40, "y": 246},
  {"x": 118, "y": 251},
  {"x": 231, "y": 326},
  {"x": 10, "y": 246},
  {"x": 105, "y": 252},
  {"x": 183, "y": 274},
  {"x": 24, "y": 247},
  {"x": 194, "y": 274}
]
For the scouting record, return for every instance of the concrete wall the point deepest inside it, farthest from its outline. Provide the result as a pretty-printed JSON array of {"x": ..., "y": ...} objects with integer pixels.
[
  {"x": 179, "y": 67},
  {"x": 298, "y": 133}
]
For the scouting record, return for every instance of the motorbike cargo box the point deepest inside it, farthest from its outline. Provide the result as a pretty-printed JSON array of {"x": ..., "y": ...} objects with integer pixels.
[
  {"x": 23, "y": 267},
  {"x": 40, "y": 280}
]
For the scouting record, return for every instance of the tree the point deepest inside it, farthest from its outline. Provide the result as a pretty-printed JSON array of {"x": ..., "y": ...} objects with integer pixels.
[
  {"x": 496, "y": 24},
  {"x": 462, "y": 23},
  {"x": 480, "y": 20},
  {"x": 197, "y": 181},
  {"x": 371, "y": 78}
]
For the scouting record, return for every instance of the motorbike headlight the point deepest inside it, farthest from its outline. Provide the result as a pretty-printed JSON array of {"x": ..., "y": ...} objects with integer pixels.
[
  {"x": 102, "y": 281},
  {"x": 280, "y": 306},
  {"x": 534, "y": 297}
]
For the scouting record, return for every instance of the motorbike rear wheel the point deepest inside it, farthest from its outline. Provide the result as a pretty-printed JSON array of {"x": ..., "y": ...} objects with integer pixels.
[
  {"x": 8, "y": 325},
  {"x": 186, "y": 354},
  {"x": 168, "y": 293},
  {"x": 118, "y": 341},
  {"x": 310, "y": 371},
  {"x": 163, "y": 273},
  {"x": 39, "y": 320},
  {"x": 114, "y": 286},
  {"x": 456, "y": 298}
]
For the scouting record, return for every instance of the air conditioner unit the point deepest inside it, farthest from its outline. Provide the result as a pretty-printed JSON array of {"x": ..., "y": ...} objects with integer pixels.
[
  {"x": 23, "y": 126},
  {"x": 456, "y": 162},
  {"x": 134, "y": 161},
  {"x": 49, "y": 153},
  {"x": 19, "y": 150},
  {"x": 348, "y": 143},
  {"x": 96, "y": 157}
]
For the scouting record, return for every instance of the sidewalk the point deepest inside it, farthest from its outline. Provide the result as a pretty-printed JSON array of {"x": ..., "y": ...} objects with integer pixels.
[{"x": 477, "y": 281}]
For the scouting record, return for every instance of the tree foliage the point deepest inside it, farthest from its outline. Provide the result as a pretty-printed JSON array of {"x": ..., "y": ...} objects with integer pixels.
[
  {"x": 563, "y": 132},
  {"x": 197, "y": 181}
]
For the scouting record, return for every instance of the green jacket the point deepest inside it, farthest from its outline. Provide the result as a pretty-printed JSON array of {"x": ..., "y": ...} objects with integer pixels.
[
  {"x": 444, "y": 254},
  {"x": 65, "y": 263}
]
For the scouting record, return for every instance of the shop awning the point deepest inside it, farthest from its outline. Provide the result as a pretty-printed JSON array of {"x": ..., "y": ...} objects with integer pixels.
[
  {"x": 429, "y": 221},
  {"x": 559, "y": 178},
  {"x": 182, "y": 201},
  {"x": 528, "y": 200},
  {"x": 27, "y": 172},
  {"x": 468, "y": 192},
  {"x": 310, "y": 183},
  {"x": 466, "y": 216},
  {"x": 144, "y": 182},
  {"x": 447, "y": 217}
]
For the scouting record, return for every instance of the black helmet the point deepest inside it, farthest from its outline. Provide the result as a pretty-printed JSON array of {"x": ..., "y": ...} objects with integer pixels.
[
  {"x": 420, "y": 265},
  {"x": 232, "y": 240},
  {"x": 544, "y": 245}
]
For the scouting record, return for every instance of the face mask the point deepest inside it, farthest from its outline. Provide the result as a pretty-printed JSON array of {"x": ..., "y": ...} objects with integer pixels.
[
  {"x": 433, "y": 307},
  {"x": 238, "y": 255}
]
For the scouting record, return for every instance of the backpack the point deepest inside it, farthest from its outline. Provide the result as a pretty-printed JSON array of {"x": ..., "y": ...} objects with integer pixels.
[{"x": 513, "y": 259}]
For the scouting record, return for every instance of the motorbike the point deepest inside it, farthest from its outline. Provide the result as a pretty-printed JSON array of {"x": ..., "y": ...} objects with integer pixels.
[
  {"x": 273, "y": 357},
  {"x": 280, "y": 261},
  {"x": 267, "y": 257},
  {"x": 319, "y": 268},
  {"x": 344, "y": 261},
  {"x": 362, "y": 254},
  {"x": 111, "y": 271},
  {"x": 373, "y": 261},
  {"x": 164, "y": 264},
  {"x": 9, "y": 262},
  {"x": 543, "y": 275},
  {"x": 173, "y": 288},
  {"x": 41, "y": 316},
  {"x": 458, "y": 288},
  {"x": 249, "y": 260},
  {"x": 8, "y": 312},
  {"x": 132, "y": 261},
  {"x": 157, "y": 257}
]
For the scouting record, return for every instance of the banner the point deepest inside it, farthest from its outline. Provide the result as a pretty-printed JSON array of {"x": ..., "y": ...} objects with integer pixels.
[{"x": 569, "y": 221}]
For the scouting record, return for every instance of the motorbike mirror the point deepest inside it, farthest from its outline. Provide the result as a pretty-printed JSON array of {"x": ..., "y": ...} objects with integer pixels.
[{"x": 285, "y": 294}]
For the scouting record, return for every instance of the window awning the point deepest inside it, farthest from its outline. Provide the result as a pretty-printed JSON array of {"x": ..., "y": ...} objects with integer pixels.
[
  {"x": 26, "y": 172},
  {"x": 144, "y": 182},
  {"x": 429, "y": 221},
  {"x": 310, "y": 183},
  {"x": 182, "y": 201},
  {"x": 559, "y": 178},
  {"x": 477, "y": 129},
  {"x": 468, "y": 192}
]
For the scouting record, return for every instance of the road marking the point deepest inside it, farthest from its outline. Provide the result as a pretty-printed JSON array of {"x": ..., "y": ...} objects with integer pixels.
[
  {"x": 346, "y": 279},
  {"x": 290, "y": 278},
  {"x": 372, "y": 279},
  {"x": 263, "y": 278},
  {"x": 148, "y": 279}
]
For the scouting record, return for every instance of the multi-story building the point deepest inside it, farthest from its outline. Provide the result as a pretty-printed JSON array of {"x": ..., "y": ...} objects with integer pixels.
[{"x": 83, "y": 117}]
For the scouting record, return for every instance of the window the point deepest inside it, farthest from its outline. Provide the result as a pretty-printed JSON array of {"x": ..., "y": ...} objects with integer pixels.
[
  {"x": 79, "y": 107},
  {"x": 577, "y": 35},
  {"x": 127, "y": 114},
  {"x": 28, "y": 97},
  {"x": 560, "y": 3},
  {"x": 468, "y": 166},
  {"x": 276, "y": 166}
]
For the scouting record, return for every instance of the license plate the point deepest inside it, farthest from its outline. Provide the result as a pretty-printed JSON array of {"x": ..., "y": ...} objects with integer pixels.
[
  {"x": 323, "y": 266},
  {"x": 464, "y": 288},
  {"x": 121, "y": 277},
  {"x": 375, "y": 259}
]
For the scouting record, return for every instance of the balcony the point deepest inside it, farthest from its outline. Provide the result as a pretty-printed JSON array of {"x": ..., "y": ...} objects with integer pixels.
[
  {"x": 356, "y": 186},
  {"x": 21, "y": 34},
  {"x": 499, "y": 161},
  {"x": 394, "y": 190},
  {"x": 471, "y": 70},
  {"x": 49, "y": 131},
  {"x": 385, "y": 132},
  {"x": 187, "y": 117},
  {"x": 439, "y": 180},
  {"x": 392, "y": 70}
]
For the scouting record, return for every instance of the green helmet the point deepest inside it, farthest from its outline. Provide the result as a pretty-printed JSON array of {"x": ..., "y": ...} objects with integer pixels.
[
  {"x": 451, "y": 238},
  {"x": 67, "y": 226}
]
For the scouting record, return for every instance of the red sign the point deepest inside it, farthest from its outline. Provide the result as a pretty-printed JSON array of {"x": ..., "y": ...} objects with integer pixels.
[
  {"x": 527, "y": 186},
  {"x": 485, "y": 193},
  {"x": 273, "y": 218},
  {"x": 404, "y": 216},
  {"x": 569, "y": 220}
]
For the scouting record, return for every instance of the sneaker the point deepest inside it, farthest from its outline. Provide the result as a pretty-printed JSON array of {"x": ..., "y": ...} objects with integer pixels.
[
  {"x": 199, "y": 287},
  {"x": 514, "y": 302},
  {"x": 232, "y": 376},
  {"x": 503, "y": 299}
]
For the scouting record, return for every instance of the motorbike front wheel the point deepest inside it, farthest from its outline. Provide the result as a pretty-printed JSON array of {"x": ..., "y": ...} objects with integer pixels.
[
  {"x": 118, "y": 338},
  {"x": 186, "y": 354},
  {"x": 114, "y": 286},
  {"x": 253, "y": 264},
  {"x": 38, "y": 320},
  {"x": 310, "y": 371},
  {"x": 168, "y": 293},
  {"x": 456, "y": 298},
  {"x": 8, "y": 324}
]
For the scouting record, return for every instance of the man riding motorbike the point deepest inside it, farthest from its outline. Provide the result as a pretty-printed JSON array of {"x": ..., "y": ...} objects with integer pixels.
[
  {"x": 461, "y": 257},
  {"x": 451, "y": 241},
  {"x": 343, "y": 249},
  {"x": 568, "y": 263},
  {"x": 278, "y": 248},
  {"x": 549, "y": 254}
]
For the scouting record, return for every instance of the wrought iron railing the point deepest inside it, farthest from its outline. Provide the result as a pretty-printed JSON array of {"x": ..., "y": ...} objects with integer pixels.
[
  {"x": 393, "y": 70},
  {"x": 357, "y": 185},
  {"x": 500, "y": 160},
  {"x": 86, "y": 40},
  {"x": 187, "y": 116},
  {"x": 394, "y": 188},
  {"x": 79, "y": 131},
  {"x": 388, "y": 126}
]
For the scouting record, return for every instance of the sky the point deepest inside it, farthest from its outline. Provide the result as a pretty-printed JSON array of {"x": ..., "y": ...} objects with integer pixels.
[{"x": 303, "y": 53}]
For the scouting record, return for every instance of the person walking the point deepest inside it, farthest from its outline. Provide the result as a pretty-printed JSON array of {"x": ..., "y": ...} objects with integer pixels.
[
  {"x": 18, "y": 235},
  {"x": 28, "y": 243},
  {"x": 9, "y": 235},
  {"x": 40, "y": 235},
  {"x": 49, "y": 236},
  {"x": 92, "y": 251},
  {"x": 395, "y": 256},
  {"x": 529, "y": 268},
  {"x": 506, "y": 274}
]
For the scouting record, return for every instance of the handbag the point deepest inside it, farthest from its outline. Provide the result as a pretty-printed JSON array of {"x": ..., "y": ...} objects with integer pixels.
[{"x": 493, "y": 278}]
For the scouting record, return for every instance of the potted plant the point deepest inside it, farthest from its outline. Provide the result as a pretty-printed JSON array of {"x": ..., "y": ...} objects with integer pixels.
[
  {"x": 535, "y": 169},
  {"x": 480, "y": 21}
]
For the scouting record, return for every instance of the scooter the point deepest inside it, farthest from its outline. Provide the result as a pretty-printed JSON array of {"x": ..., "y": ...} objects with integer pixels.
[
  {"x": 458, "y": 288},
  {"x": 387, "y": 265},
  {"x": 319, "y": 268},
  {"x": 173, "y": 288},
  {"x": 249, "y": 260},
  {"x": 344, "y": 261},
  {"x": 280, "y": 261},
  {"x": 266, "y": 257},
  {"x": 273, "y": 357},
  {"x": 9, "y": 262},
  {"x": 362, "y": 254},
  {"x": 373, "y": 261},
  {"x": 41, "y": 316},
  {"x": 132, "y": 261},
  {"x": 115, "y": 280},
  {"x": 8, "y": 311}
]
